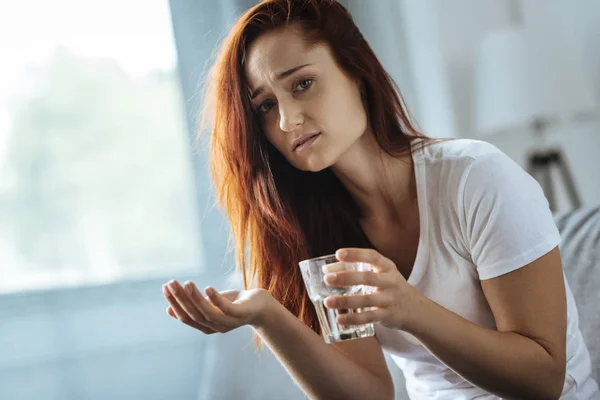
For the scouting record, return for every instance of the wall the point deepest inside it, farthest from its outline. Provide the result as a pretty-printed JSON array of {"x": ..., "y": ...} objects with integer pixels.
[
  {"x": 462, "y": 22},
  {"x": 379, "y": 25},
  {"x": 405, "y": 38}
]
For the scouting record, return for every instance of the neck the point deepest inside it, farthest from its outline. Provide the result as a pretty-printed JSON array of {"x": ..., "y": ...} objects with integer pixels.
[{"x": 382, "y": 185}]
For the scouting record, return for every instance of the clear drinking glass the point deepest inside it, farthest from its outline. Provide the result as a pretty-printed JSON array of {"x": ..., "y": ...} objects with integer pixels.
[{"x": 313, "y": 273}]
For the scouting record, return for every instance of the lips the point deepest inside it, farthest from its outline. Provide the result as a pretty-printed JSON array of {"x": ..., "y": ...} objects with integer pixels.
[{"x": 303, "y": 139}]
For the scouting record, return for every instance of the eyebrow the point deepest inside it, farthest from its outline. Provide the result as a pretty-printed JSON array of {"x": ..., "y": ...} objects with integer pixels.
[{"x": 282, "y": 75}]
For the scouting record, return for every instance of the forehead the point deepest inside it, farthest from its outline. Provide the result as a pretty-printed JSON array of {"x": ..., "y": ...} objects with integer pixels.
[{"x": 278, "y": 51}]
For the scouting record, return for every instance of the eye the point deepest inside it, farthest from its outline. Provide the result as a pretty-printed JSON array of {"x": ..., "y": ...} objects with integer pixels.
[
  {"x": 304, "y": 84},
  {"x": 266, "y": 107}
]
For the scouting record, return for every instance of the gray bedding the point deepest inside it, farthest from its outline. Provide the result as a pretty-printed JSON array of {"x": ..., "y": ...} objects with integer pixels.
[{"x": 580, "y": 250}]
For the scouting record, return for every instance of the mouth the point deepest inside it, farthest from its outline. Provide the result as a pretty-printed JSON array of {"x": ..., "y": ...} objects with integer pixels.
[{"x": 306, "y": 142}]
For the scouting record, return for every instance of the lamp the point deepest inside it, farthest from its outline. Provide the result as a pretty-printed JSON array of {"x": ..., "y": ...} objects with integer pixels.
[{"x": 524, "y": 80}]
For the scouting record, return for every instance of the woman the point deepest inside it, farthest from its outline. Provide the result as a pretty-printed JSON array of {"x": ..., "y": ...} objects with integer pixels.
[{"x": 312, "y": 152}]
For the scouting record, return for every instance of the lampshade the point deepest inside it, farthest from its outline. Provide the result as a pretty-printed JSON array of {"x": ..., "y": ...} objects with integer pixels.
[{"x": 521, "y": 77}]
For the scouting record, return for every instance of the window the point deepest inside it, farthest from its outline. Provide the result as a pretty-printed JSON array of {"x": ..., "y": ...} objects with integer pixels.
[{"x": 96, "y": 179}]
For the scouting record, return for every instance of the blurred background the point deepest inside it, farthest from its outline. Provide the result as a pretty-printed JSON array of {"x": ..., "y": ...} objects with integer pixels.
[{"x": 104, "y": 196}]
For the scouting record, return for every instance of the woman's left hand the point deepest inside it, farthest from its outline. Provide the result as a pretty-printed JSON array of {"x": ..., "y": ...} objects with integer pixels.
[{"x": 392, "y": 300}]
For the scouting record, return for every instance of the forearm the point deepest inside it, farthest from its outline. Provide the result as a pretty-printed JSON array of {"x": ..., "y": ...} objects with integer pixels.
[
  {"x": 320, "y": 370},
  {"x": 504, "y": 363}
]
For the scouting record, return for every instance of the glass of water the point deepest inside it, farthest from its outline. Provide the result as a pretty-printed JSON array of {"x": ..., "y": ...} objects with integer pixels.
[{"x": 313, "y": 273}]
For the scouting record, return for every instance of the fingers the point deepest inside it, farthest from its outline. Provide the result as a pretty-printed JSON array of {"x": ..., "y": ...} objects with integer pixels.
[
  {"x": 208, "y": 309},
  {"x": 224, "y": 304},
  {"x": 170, "y": 312},
  {"x": 366, "y": 317},
  {"x": 178, "y": 312},
  {"x": 334, "y": 267},
  {"x": 185, "y": 304},
  {"x": 351, "y": 278},
  {"x": 204, "y": 329},
  {"x": 187, "y": 312},
  {"x": 354, "y": 302},
  {"x": 369, "y": 256}
]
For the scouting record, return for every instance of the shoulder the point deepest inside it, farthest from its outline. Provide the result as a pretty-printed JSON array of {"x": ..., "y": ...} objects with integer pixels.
[
  {"x": 456, "y": 161},
  {"x": 458, "y": 150},
  {"x": 452, "y": 161}
]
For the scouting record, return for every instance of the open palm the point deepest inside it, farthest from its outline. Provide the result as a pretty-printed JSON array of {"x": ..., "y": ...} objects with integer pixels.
[{"x": 219, "y": 311}]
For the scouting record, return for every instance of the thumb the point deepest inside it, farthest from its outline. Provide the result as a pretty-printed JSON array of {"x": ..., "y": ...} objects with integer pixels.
[{"x": 224, "y": 304}]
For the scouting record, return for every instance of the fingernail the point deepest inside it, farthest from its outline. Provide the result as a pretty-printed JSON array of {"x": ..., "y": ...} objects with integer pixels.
[
  {"x": 166, "y": 290},
  {"x": 342, "y": 253},
  {"x": 209, "y": 291}
]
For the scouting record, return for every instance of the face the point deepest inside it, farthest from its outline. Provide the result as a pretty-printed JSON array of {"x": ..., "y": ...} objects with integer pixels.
[{"x": 299, "y": 92}]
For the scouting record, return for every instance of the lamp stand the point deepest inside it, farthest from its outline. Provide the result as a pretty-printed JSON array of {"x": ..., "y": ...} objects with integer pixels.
[{"x": 540, "y": 163}]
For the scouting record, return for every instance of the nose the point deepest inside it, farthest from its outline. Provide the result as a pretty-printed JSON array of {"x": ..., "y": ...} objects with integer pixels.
[{"x": 290, "y": 116}]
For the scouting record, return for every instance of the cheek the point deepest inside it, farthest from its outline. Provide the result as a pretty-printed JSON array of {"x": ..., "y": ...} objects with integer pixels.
[{"x": 344, "y": 113}]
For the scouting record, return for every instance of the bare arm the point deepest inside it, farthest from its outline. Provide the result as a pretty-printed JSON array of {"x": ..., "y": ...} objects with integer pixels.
[
  {"x": 525, "y": 358},
  {"x": 349, "y": 370}
]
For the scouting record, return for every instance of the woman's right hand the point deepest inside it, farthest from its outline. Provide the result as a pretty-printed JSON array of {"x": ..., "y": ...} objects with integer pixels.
[{"x": 218, "y": 312}]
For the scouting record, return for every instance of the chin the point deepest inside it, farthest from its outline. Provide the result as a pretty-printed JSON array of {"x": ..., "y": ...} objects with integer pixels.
[
  {"x": 312, "y": 163},
  {"x": 310, "y": 167}
]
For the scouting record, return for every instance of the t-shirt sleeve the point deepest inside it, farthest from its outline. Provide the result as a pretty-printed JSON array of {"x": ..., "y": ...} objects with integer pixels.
[{"x": 508, "y": 223}]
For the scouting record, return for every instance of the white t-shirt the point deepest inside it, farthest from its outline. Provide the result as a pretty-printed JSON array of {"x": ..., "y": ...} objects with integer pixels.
[{"x": 481, "y": 216}]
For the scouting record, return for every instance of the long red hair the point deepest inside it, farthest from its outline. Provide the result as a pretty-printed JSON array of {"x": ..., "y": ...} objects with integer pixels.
[{"x": 280, "y": 215}]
